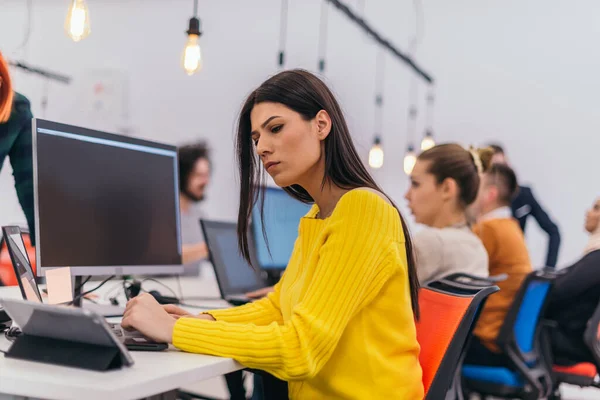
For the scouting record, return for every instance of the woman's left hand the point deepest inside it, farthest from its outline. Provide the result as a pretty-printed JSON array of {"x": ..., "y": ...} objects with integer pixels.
[{"x": 143, "y": 313}]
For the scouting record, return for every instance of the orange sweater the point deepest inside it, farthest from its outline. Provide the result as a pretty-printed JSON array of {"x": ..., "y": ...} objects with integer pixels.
[{"x": 507, "y": 251}]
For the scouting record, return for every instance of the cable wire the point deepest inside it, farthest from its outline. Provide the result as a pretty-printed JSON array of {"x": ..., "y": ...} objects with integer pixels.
[
  {"x": 323, "y": 35},
  {"x": 283, "y": 32}
]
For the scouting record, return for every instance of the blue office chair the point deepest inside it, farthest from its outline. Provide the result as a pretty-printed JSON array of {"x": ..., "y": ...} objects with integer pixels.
[{"x": 527, "y": 376}]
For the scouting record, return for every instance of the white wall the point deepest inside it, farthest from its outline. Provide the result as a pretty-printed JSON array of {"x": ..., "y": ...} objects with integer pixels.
[{"x": 519, "y": 72}]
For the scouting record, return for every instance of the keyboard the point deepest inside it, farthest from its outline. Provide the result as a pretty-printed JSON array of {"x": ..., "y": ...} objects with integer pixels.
[{"x": 134, "y": 340}]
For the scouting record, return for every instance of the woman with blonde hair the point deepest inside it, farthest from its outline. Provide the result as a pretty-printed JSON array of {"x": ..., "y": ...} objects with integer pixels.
[
  {"x": 444, "y": 183},
  {"x": 15, "y": 141}
]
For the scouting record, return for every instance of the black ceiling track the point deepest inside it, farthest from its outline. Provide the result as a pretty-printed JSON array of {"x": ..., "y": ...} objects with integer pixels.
[{"x": 381, "y": 40}]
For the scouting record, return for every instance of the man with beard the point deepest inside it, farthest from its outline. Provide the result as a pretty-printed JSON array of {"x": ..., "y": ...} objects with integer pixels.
[{"x": 194, "y": 176}]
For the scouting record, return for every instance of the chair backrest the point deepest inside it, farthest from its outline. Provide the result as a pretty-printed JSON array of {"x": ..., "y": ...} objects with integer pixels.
[
  {"x": 592, "y": 336},
  {"x": 7, "y": 272},
  {"x": 521, "y": 327},
  {"x": 448, "y": 314}
]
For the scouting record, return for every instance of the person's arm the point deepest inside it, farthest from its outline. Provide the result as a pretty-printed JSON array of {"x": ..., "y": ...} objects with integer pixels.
[
  {"x": 546, "y": 223},
  {"x": 260, "y": 312},
  {"x": 428, "y": 251},
  {"x": 580, "y": 278},
  {"x": 193, "y": 252},
  {"x": 354, "y": 264},
  {"x": 21, "y": 160}
]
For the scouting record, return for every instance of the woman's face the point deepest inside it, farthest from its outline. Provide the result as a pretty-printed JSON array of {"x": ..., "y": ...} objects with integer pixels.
[
  {"x": 592, "y": 218},
  {"x": 289, "y": 147},
  {"x": 425, "y": 196}
]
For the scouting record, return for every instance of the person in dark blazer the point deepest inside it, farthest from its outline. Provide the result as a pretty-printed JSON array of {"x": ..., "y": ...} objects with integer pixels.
[
  {"x": 525, "y": 205},
  {"x": 575, "y": 297}
]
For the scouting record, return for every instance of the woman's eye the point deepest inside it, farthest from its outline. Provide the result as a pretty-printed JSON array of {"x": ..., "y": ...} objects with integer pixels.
[{"x": 276, "y": 128}]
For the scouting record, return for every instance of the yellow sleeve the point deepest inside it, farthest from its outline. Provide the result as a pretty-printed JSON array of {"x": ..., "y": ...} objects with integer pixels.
[
  {"x": 261, "y": 312},
  {"x": 353, "y": 266}
]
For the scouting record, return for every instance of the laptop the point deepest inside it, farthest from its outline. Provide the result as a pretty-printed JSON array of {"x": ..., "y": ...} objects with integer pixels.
[
  {"x": 235, "y": 276},
  {"x": 13, "y": 238}
]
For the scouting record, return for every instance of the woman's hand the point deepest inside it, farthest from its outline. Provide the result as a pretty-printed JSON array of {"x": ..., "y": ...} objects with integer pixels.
[
  {"x": 260, "y": 293},
  {"x": 143, "y": 313},
  {"x": 176, "y": 312}
]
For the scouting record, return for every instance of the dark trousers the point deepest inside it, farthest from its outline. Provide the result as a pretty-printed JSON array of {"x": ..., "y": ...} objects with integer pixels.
[
  {"x": 568, "y": 348},
  {"x": 266, "y": 386},
  {"x": 478, "y": 354}
]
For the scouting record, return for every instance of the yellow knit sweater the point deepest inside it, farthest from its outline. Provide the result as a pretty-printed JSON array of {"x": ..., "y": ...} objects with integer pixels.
[{"x": 339, "y": 324}]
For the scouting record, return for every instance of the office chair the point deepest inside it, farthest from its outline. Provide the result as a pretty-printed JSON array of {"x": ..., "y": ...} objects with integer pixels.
[
  {"x": 527, "y": 376},
  {"x": 582, "y": 374},
  {"x": 7, "y": 272},
  {"x": 449, "y": 311}
]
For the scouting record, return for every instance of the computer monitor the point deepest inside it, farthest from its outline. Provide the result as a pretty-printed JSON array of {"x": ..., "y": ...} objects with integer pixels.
[
  {"x": 282, "y": 215},
  {"x": 105, "y": 204}
]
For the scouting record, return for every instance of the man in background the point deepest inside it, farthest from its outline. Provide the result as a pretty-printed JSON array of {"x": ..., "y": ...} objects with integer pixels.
[
  {"x": 524, "y": 205},
  {"x": 505, "y": 244},
  {"x": 194, "y": 176}
]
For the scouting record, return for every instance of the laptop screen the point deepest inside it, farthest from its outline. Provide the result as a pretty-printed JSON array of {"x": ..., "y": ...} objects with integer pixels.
[
  {"x": 234, "y": 275},
  {"x": 22, "y": 266}
]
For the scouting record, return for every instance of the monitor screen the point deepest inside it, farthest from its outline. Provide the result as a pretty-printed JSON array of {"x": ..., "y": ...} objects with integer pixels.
[
  {"x": 104, "y": 200},
  {"x": 282, "y": 215}
]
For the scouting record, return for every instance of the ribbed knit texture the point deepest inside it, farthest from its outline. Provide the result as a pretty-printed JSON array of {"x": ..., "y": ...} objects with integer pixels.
[{"x": 339, "y": 324}]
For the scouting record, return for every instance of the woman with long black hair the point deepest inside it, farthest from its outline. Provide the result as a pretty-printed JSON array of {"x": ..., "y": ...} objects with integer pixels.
[{"x": 341, "y": 322}]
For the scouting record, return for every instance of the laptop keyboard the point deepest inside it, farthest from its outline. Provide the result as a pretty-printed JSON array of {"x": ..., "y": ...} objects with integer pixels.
[{"x": 116, "y": 328}]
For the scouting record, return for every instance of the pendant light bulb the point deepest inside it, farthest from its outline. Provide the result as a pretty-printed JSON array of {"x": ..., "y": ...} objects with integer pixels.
[
  {"x": 428, "y": 141},
  {"x": 77, "y": 23},
  {"x": 376, "y": 154},
  {"x": 192, "y": 56},
  {"x": 410, "y": 159}
]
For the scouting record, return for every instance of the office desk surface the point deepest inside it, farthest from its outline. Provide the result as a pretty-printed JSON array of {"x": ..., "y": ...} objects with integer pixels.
[{"x": 152, "y": 373}]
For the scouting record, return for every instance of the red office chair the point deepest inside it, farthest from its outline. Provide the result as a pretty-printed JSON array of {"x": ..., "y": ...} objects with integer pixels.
[
  {"x": 7, "y": 272},
  {"x": 449, "y": 311},
  {"x": 582, "y": 374}
]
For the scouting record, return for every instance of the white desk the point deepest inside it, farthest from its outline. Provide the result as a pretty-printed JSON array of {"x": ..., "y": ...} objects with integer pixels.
[{"x": 152, "y": 373}]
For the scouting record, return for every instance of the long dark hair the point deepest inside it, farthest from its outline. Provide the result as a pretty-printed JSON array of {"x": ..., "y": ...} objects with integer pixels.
[{"x": 306, "y": 94}]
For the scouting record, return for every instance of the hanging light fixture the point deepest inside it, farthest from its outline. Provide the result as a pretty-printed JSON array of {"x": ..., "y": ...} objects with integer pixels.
[
  {"x": 77, "y": 23},
  {"x": 376, "y": 154},
  {"x": 323, "y": 36},
  {"x": 192, "y": 56},
  {"x": 282, "y": 32},
  {"x": 410, "y": 159},
  {"x": 428, "y": 141}
]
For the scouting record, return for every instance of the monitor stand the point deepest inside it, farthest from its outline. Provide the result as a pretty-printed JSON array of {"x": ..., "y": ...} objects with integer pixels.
[{"x": 106, "y": 310}]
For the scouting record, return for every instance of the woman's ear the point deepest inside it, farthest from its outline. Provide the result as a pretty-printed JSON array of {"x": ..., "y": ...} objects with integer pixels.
[
  {"x": 449, "y": 189},
  {"x": 323, "y": 122}
]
